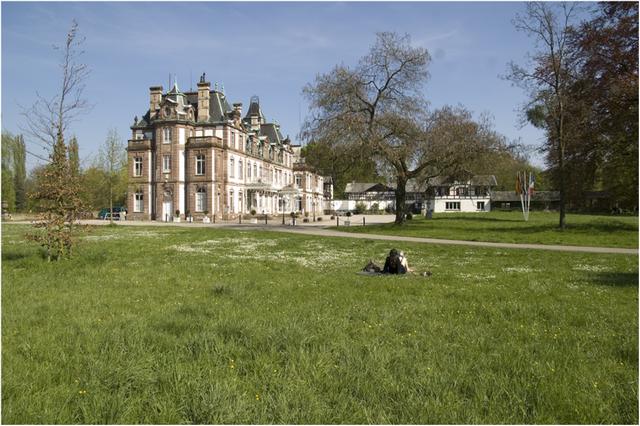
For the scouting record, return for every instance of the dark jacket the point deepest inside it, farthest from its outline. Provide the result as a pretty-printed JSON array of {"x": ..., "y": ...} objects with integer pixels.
[{"x": 392, "y": 265}]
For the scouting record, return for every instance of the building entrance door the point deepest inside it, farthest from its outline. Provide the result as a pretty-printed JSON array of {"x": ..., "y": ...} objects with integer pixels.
[{"x": 166, "y": 210}]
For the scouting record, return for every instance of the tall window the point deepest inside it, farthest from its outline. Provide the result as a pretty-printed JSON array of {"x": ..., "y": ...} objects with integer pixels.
[
  {"x": 255, "y": 170},
  {"x": 166, "y": 137},
  {"x": 199, "y": 164},
  {"x": 138, "y": 204},
  {"x": 166, "y": 163},
  {"x": 240, "y": 169},
  {"x": 248, "y": 170},
  {"x": 298, "y": 181},
  {"x": 232, "y": 165},
  {"x": 137, "y": 166},
  {"x": 231, "y": 204},
  {"x": 233, "y": 140},
  {"x": 201, "y": 199}
]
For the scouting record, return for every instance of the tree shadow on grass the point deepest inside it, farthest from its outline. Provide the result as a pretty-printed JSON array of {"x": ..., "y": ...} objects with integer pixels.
[
  {"x": 12, "y": 256},
  {"x": 616, "y": 279},
  {"x": 604, "y": 228},
  {"x": 479, "y": 218}
]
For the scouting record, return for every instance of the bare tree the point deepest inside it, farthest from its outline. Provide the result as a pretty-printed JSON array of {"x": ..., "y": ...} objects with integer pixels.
[
  {"x": 379, "y": 105},
  {"x": 111, "y": 159},
  {"x": 49, "y": 118},
  {"x": 547, "y": 77},
  {"x": 47, "y": 121}
]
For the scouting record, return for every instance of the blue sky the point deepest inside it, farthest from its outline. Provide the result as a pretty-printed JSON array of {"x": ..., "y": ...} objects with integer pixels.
[{"x": 267, "y": 49}]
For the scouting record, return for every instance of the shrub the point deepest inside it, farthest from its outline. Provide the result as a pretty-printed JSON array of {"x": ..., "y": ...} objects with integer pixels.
[
  {"x": 306, "y": 214},
  {"x": 375, "y": 207},
  {"x": 360, "y": 207},
  {"x": 206, "y": 212},
  {"x": 409, "y": 216},
  {"x": 177, "y": 212},
  {"x": 349, "y": 214},
  {"x": 253, "y": 212},
  {"x": 319, "y": 219}
]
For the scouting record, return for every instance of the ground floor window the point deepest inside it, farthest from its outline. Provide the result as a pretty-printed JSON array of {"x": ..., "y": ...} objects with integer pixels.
[
  {"x": 138, "y": 203},
  {"x": 201, "y": 199},
  {"x": 452, "y": 205},
  {"x": 480, "y": 205}
]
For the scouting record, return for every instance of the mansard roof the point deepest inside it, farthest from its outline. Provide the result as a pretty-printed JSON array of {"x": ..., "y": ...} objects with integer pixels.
[{"x": 271, "y": 131}]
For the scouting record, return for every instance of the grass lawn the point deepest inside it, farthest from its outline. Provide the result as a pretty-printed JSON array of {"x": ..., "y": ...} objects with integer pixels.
[
  {"x": 510, "y": 227},
  {"x": 178, "y": 325}
]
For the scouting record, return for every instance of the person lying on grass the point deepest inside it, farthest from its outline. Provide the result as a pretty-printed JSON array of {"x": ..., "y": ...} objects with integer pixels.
[{"x": 395, "y": 263}]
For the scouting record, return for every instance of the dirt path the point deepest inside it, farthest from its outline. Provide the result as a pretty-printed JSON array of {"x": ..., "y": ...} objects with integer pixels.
[{"x": 323, "y": 232}]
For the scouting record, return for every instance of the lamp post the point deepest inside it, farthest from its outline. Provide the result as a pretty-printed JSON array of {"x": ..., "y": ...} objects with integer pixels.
[
  {"x": 282, "y": 207},
  {"x": 313, "y": 206}
]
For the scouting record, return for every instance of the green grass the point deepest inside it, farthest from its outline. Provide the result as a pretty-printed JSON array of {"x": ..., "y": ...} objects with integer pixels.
[
  {"x": 176, "y": 325},
  {"x": 510, "y": 227}
]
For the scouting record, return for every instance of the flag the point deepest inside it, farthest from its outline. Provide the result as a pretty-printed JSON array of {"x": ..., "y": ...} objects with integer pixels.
[
  {"x": 518, "y": 184},
  {"x": 532, "y": 183}
]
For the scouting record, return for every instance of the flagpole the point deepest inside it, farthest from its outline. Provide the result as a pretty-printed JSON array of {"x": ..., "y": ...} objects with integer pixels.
[
  {"x": 526, "y": 194},
  {"x": 521, "y": 197},
  {"x": 528, "y": 197}
]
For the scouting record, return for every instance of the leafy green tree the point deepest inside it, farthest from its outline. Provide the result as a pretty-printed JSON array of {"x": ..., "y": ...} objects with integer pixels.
[
  {"x": 74, "y": 157},
  {"x": 378, "y": 106},
  {"x": 606, "y": 90},
  {"x": 8, "y": 182},
  {"x": 58, "y": 196},
  {"x": 343, "y": 163},
  {"x": 547, "y": 79},
  {"x": 20, "y": 173},
  {"x": 112, "y": 159},
  {"x": 48, "y": 120}
]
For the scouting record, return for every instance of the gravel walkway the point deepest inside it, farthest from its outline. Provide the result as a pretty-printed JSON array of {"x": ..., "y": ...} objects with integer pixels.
[{"x": 276, "y": 226}]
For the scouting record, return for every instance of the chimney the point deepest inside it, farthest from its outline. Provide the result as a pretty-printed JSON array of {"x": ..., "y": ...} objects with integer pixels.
[
  {"x": 155, "y": 97},
  {"x": 237, "y": 111},
  {"x": 204, "y": 88}
]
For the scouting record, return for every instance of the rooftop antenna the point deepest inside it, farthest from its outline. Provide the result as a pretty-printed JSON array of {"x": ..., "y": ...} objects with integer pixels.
[
  {"x": 169, "y": 82},
  {"x": 222, "y": 88}
]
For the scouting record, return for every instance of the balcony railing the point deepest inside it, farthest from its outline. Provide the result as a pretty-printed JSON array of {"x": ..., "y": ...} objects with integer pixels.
[
  {"x": 204, "y": 142},
  {"x": 138, "y": 144}
]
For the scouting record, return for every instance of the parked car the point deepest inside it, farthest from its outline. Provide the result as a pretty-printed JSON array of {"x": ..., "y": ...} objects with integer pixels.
[{"x": 104, "y": 213}]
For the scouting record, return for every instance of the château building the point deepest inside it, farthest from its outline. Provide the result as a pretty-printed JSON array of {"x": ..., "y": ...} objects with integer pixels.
[{"x": 194, "y": 153}]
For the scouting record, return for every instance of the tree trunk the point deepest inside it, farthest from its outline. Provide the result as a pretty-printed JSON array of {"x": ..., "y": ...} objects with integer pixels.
[
  {"x": 111, "y": 204},
  {"x": 561, "y": 167},
  {"x": 401, "y": 195}
]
